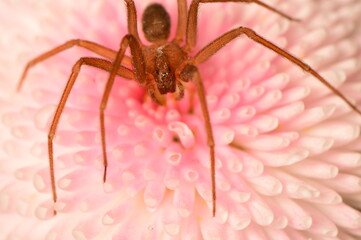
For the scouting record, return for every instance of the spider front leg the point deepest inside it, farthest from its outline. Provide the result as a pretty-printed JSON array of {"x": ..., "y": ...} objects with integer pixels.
[
  {"x": 93, "y": 47},
  {"x": 94, "y": 62},
  {"x": 193, "y": 15},
  {"x": 189, "y": 72},
  {"x": 139, "y": 75},
  {"x": 132, "y": 40},
  {"x": 217, "y": 44}
]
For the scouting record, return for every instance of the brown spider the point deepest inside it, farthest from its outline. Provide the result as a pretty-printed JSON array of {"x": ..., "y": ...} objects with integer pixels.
[{"x": 161, "y": 67}]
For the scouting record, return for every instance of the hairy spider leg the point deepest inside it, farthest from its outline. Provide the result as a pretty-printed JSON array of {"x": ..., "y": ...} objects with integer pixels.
[
  {"x": 140, "y": 76},
  {"x": 217, "y": 44},
  {"x": 93, "y": 47},
  {"x": 132, "y": 19},
  {"x": 182, "y": 22},
  {"x": 191, "y": 37},
  {"x": 210, "y": 141},
  {"x": 94, "y": 62},
  {"x": 186, "y": 71},
  {"x": 220, "y": 42}
]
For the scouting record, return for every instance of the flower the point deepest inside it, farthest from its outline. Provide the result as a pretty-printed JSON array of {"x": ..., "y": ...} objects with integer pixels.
[{"x": 288, "y": 165}]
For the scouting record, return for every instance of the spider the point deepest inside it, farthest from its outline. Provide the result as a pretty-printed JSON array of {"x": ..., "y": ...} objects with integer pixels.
[{"x": 161, "y": 67}]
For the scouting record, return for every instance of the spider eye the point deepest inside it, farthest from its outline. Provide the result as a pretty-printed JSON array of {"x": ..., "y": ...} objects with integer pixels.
[{"x": 156, "y": 23}]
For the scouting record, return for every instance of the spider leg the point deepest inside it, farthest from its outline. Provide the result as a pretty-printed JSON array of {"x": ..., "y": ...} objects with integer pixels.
[
  {"x": 210, "y": 141},
  {"x": 132, "y": 19},
  {"x": 94, "y": 47},
  {"x": 193, "y": 15},
  {"x": 94, "y": 62},
  {"x": 217, "y": 44},
  {"x": 186, "y": 72},
  {"x": 140, "y": 76},
  {"x": 182, "y": 22}
]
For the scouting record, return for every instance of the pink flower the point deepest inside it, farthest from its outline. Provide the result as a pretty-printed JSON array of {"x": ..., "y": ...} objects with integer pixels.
[{"x": 287, "y": 149}]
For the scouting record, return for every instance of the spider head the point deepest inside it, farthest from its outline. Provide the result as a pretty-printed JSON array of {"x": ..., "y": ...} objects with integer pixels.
[{"x": 156, "y": 23}]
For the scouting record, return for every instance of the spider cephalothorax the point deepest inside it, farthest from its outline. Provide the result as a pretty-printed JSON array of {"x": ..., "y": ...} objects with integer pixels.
[{"x": 160, "y": 67}]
